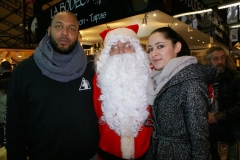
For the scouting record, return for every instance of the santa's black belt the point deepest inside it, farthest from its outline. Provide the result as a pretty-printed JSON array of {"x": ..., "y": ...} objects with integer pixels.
[{"x": 108, "y": 156}]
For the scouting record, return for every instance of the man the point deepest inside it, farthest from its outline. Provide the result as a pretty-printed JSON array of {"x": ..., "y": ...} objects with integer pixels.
[
  {"x": 50, "y": 114},
  {"x": 224, "y": 117},
  {"x": 120, "y": 95},
  {"x": 6, "y": 70},
  {"x": 4, "y": 80}
]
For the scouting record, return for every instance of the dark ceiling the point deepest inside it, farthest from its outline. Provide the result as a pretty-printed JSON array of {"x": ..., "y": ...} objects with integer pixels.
[
  {"x": 14, "y": 12},
  {"x": 12, "y": 15}
]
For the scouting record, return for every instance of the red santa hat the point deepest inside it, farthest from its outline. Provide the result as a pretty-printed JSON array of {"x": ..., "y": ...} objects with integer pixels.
[{"x": 129, "y": 31}]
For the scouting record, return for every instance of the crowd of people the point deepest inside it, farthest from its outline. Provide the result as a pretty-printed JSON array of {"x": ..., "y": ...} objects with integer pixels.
[{"x": 62, "y": 105}]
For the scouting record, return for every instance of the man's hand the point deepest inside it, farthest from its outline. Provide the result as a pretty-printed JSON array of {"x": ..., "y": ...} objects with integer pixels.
[{"x": 211, "y": 118}]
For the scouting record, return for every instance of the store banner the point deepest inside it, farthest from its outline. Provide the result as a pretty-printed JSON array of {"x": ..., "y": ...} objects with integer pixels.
[
  {"x": 89, "y": 13},
  {"x": 96, "y": 12}
]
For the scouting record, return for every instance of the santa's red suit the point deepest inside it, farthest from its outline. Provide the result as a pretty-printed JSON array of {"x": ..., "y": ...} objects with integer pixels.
[
  {"x": 120, "y": 97},
  {"x": 110, "y": 140}
]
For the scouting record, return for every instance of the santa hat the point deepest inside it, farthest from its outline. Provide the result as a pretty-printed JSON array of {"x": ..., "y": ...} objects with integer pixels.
[{"x": 129, "y": 31}]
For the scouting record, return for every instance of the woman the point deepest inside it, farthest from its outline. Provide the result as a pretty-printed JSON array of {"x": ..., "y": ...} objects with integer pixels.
[{"x": 178, "y": 94}]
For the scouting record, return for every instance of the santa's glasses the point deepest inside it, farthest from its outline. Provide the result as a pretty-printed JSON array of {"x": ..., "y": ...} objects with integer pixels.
[{"x": 122, "y": 48}]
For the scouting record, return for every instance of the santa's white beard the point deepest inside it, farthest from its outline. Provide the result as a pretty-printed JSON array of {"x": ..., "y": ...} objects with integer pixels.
[{"x": 123, "y": 82}]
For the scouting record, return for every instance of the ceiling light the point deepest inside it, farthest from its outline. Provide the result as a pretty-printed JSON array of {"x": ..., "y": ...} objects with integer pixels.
[
  {"x": 154, "y": 14},
  {"x": 190, "y": 13},
  {"x": 228, "y": 5},
  {"x": 234, "y": 26},
  {"x": 144, "y": 22},
  {"x": 19, "y": 55}
]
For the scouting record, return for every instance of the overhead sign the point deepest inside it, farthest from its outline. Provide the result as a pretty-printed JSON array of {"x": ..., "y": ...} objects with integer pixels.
[
  {"x": 95, "y": 12},
  {"x": 89, "y": 13}
]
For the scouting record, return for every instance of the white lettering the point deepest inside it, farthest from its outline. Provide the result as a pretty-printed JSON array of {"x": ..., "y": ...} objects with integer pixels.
[
  {"x": 82, "y": 4},
  {"x": 76, "y": 3},
  {"x": 95, "y": 18},
  {"x": 62, "y": 7},
  {"x": 55, "y": 12},
  {"x": 189, "y": 4},
  {"x": 68, "y": 5},
  {"x": 196, "y": 6},
  {"x": 81, "y": 21}
]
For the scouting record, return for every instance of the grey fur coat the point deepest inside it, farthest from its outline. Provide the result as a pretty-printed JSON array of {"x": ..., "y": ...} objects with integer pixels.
[{"x": 180, "y": 116}]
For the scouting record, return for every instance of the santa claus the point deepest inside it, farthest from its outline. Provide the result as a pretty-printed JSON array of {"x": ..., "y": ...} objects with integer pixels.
[{"x": 120, "y": 95}]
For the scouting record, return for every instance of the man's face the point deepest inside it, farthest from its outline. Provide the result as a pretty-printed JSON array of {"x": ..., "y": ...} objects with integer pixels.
[
  {"x": 63, "y": 33},
  {"x": 218, "y": 60},
  {"x": 121, "y": 48}
]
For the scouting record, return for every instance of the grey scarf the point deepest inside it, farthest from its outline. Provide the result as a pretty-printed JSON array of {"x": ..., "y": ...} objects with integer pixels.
[
  {"x": 159, "y": 78},
  {"x": 60, "y": 67}
]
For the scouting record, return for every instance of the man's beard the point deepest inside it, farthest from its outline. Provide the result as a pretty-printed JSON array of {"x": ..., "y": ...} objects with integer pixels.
[
  {"x": 60, "y": 50},
  {"x": 220, "y": 68},
  {"x": 123, "y": 82}
]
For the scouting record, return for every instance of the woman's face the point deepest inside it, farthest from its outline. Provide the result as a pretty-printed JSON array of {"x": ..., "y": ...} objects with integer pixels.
[{"x": 161, "y": 50}]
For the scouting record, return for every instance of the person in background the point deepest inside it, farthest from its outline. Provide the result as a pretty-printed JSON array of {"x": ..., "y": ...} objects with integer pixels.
[
  {"x": 224, "y": 115},
  {"x": 178, "y": 95},
  {"x": 4, "y": 79},
  {"x": 122, "y": 70},
  {"x": 3, "y": 98},
  {"x": 50, "y": 113},
  {"x": 6, "y": 69}
]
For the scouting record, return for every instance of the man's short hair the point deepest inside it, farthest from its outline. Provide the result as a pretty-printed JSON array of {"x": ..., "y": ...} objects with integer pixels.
[{"x": 6, "y": 65}]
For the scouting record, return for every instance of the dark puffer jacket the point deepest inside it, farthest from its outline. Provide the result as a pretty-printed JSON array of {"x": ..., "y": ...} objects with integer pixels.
[
  {"x": 229, "y": 100},
  {"x": 180, "y": 116}
]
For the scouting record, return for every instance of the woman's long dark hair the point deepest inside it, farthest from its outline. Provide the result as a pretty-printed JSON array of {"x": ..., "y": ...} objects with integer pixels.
[{"x": 170, "y": 34}]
